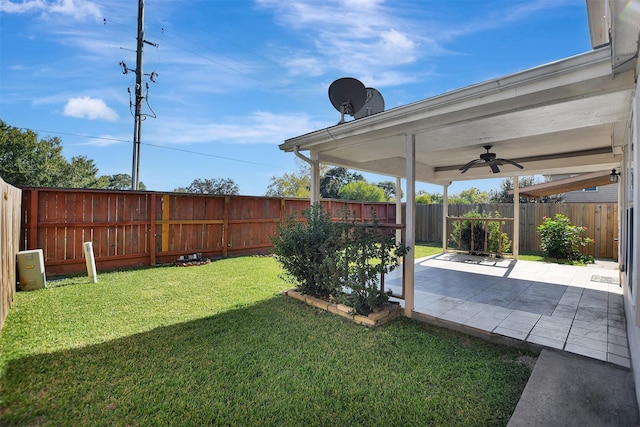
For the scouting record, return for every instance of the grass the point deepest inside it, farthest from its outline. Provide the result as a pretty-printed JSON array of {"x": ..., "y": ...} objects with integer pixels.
[
  {"x": 218, "y": 344},
  {"x": 424, "y": 249}
]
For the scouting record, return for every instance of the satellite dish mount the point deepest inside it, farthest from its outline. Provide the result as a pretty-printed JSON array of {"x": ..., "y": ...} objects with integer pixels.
[{"x": 348, "y": 96}]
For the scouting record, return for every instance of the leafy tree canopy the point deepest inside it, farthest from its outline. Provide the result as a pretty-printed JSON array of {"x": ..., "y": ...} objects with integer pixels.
[
  {"x": 362, "y": 191},
  {"x": 334, "y": 179},
  {"x": 470, "y": 196},
  {"x": 503, "y": 196},
  {"x": 28, "y": 161},
  {"x": 220, "y": 186}
]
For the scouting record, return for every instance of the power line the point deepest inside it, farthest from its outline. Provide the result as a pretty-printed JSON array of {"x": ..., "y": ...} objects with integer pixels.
[
  {"x": 77, "y": 134},
  {"x": 214, "y": 155},
  {"x": 182, "y": 150}
]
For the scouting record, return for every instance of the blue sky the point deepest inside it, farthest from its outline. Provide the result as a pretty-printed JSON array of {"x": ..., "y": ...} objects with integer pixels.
[{"x": 238, "y": 77}]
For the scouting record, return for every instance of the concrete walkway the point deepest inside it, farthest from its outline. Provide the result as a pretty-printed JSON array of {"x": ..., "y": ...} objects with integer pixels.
[
  {"x": 570, "y": 390},
  {"x": 543, "y": 305}
]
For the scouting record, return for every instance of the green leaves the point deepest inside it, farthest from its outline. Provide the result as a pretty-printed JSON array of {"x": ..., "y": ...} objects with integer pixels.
[
  {"x": 343, "y": 260},
  {"x": 560, "y": 239}
]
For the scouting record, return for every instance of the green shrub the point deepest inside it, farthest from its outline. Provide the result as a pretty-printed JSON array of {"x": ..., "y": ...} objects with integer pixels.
[
  {"x": 309, "y": 252},
  {"x": 496, "y": 240},
  {"x": 337, "y": 260},
  {"x": 560, "y": 239}
]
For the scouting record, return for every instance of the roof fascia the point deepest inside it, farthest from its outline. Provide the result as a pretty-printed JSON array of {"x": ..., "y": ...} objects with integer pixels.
[{"x": 570, "y": 70}]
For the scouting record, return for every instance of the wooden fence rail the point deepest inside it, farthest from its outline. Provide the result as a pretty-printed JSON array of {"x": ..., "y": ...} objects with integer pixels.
[
  {"x": 130, "y": 228},
  {"x": 10, "y": 201}
]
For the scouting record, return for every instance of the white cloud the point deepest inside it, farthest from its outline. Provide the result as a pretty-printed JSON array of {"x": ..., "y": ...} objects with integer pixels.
[
  {"x": 89, "y": 108},
  {"x": 259, "y": 127},
  {"x": 78, "y": 9}
]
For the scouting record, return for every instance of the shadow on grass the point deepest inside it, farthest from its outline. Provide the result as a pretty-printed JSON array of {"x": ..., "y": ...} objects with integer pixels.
[{"x": 277, "y": 362}]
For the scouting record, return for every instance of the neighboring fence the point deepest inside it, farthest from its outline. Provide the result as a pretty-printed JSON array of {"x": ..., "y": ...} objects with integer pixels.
[
  {"x": 132, "y": 229},
  {"x": 10, "y": 200},
  {"x": 600, "y": 219}
]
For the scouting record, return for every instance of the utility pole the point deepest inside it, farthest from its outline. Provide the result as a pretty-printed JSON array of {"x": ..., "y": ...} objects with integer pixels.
[
  {"x": 139, "y": 97},
  {"x": 137, "y": 119}
]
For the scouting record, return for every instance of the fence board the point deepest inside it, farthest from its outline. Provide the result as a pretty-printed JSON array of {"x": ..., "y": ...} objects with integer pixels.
[
  {"x": 144, "y": 228},
  {"x": 601, "y": 221},
  {"x": 10, "y": 232}
]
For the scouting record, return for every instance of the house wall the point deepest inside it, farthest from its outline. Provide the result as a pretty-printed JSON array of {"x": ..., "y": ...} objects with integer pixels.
[
  {"x": 629, "y": 252},
  {"x": 602, "y": 194}
]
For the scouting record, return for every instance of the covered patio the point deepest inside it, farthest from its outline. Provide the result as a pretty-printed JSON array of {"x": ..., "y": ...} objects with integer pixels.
[
  {"x": 572, "y": 308},
  {"x": 570, "y": 116}
]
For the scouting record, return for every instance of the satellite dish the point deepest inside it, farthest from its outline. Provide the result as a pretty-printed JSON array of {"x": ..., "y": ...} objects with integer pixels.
[
  {"x": 373, "y": 105},
  {"x": 348, "y": 96}
]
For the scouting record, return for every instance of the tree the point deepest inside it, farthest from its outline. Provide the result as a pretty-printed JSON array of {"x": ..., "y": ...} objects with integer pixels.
[
  {"x": 469, "y": 196},
  {"x": 122, "y": 181},
  {"x": 82, "y": 172},
  {"x": 334, "y": 179},
  {"x": 27, "y": 161},
  {"x": 503, "y": 196},
  {"x": 289, "y": 185},
  {"x": 423, "y": 199},
  {"x": 362, "y": 191},
  {"x": 389, "y": 188},
  {"x": 220, "y": 186}
]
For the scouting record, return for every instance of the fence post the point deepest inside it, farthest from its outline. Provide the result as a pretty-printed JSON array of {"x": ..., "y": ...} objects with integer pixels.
[
  {"x": 152, "y": 229},
  {"x": 32, "y": 241},
  {"x": 225, "y": 227}
]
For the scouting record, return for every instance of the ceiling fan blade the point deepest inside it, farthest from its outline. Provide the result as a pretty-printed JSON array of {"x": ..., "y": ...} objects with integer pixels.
[
  {"x": 469, "y": 165},
  {"x": 494, "y": 167},
  {"x": 511, "y": 162}
]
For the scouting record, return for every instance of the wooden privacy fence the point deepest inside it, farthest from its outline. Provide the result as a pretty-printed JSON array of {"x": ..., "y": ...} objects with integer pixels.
[
  {"x": 10, "y": 200},
  {"x": 131, "y": 228},
  {"x": 601, "y": 220}
]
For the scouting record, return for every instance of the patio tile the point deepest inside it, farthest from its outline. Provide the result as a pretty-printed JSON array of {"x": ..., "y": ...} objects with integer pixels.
[
  {"x": 553, "y": 334},
  {"x": 564, "y": 315},
  {"x": 546, "y": 341},
  {"x": 600, "y": 327},
  {"x": 489, "y": 318},
  {"x": 520, "y": 321},
  {"x": 619, "y": 360},
  {"x": 533, "y": 307},
  {"x": 511, "y": 333},
  {"x": 497, "y": 297},
  {"x": 564, "y": 311},
  {"x": 555, "y": 323},
  {"x": 619, "y": 350},
  {"x": 463, "y": 312},
  {"x": 594, "y": 344},
  {"x": 620, "y": 332},
  {"x": 591, "y": 315},
  {"x": 585, "y": 351},
  {"x": 438, "y": 307}
]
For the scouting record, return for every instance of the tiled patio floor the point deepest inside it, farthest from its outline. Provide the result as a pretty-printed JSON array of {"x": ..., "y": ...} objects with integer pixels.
[{"x": 575, "y": 309}]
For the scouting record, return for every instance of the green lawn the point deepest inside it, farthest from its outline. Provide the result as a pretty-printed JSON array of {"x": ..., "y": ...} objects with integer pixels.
[{"x": 219, "y": 345}]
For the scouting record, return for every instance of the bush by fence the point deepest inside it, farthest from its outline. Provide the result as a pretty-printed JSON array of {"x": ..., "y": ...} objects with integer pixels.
[{"x": 601, "y": 220}]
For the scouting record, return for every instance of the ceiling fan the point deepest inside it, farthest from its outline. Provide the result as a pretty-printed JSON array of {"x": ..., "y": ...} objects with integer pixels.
[{"x": 489, "y": 159}]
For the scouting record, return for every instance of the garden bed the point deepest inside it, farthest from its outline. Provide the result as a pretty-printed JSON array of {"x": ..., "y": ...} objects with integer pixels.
[{"x": 378, "y": 317}]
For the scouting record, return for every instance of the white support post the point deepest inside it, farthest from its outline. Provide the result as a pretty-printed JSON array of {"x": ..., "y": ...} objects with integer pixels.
[
  {"x": 516, "y": 218},
  {"x": 398, "y": 208},
  {"x": 410, "y": 237},
  {"x": 314, "y": 163},
  {"x": 315, "y": 178},
  {"x": 445, "y": 214}
]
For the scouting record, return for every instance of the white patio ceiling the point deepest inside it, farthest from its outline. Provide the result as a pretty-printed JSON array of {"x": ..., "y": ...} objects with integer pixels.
[{"x": 569, "y": 116}]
